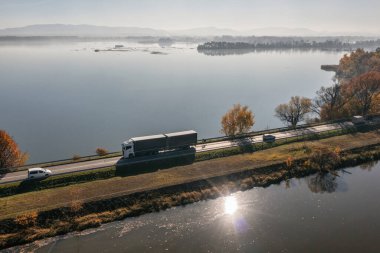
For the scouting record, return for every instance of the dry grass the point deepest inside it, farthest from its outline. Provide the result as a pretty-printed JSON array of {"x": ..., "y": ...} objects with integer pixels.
[
  {"x": 27, "y": 219},
  {"x": 65, "y": 196},
  {"x": 36, "y": 233}
]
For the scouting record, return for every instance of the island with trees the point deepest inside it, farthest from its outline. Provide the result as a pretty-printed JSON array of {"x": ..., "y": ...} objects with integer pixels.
[{"x": 241, "y": 45}]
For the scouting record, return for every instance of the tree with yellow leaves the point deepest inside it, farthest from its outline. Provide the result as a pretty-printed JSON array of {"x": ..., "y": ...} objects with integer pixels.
[
  {"x": 10, "y": 154},
  {"x": 239, "y": 119}
]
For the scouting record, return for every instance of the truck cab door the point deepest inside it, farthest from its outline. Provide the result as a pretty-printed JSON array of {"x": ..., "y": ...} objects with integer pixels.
[{"x": 128, "y": 152}]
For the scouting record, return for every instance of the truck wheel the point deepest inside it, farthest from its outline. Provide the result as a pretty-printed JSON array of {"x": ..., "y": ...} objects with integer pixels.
[{"x": 130, "y": 156}]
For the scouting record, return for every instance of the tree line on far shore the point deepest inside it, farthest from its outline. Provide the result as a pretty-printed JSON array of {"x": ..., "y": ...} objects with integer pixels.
[
  {"x": 355, "y": 91},
  {"x": 287, "y": 43}
]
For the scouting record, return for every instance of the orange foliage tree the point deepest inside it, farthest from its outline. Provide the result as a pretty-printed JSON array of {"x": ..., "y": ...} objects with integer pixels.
[
  {"x": 357, "y": 91},
  {"x": 10, "y": 154},
  {"x": 357, "y": 63},
  {"x": 362, "y": 93},
  {"x": 376, "y": 104},
  {"x": 239, "y": 119}
]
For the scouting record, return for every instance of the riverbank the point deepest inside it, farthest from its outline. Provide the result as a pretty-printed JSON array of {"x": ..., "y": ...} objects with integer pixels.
[{"x": 76, "y": 207}]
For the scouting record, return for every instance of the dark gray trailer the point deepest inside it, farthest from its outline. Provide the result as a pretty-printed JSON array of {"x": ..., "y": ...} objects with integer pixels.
[
  {"x": 181, "y": 140},
  {"x": 148, "y": 144}
]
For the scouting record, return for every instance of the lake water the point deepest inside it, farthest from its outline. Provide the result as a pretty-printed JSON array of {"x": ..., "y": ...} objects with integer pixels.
[
  {"x": 58, "y": 100},
  {"x": 311, "y": 214}
]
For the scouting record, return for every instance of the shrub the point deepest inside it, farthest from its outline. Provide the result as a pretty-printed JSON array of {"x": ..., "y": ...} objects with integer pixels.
[
  {"x": 306, "y": 149},
  {"x": 324, "y": 159},
  {"x": 76, "y": 205},
  {"x": 27, "y": 219},
  {"x": 289, "y": 162},
  {"x": 101, "y": 151},
  {"x": 76, "y": 157}
]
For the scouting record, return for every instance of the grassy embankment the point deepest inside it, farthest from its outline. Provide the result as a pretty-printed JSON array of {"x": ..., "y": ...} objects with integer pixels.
[
  {"x": 105, "y": 173},
  {"x": 30, "y": 216}
]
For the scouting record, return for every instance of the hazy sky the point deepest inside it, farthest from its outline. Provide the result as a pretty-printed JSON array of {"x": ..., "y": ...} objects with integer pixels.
[{"x": 320, "y": 15}]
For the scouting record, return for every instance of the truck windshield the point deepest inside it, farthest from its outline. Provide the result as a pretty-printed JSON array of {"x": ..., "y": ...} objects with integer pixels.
[{"x": 127, "y": 147}]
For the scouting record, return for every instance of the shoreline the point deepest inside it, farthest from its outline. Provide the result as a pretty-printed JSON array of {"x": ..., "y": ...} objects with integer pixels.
[{"x": 79, "y": 216}]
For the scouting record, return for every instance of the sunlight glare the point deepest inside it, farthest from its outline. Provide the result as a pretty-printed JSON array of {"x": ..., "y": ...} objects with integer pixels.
[{"x": 230, "y": 205}]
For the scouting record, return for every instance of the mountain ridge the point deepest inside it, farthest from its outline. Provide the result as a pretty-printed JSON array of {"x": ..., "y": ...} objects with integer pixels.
[{"x": 107, "y": 31}]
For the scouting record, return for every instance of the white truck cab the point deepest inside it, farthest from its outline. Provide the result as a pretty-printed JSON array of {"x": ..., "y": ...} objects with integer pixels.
[
  {"x": 35, "y": 173},
  {"x": 127, "y": 148}
]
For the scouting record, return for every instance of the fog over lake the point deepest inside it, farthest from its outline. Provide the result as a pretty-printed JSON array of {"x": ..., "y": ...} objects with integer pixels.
[{"x": 58, "y": 100}]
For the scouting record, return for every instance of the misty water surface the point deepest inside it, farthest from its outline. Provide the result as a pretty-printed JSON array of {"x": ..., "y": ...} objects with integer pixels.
[{"x": 58, "y": 100}]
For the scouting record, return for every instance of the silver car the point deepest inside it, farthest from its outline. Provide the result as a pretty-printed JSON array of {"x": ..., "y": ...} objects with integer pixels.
[{"x": 35, "y": 173}]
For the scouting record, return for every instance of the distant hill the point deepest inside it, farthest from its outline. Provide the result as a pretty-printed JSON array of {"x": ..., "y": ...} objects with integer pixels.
[
  {"x": 302, "y": 32},
  {"x": 205, "y": 31},
  {"x": 108, "y": 31},
  {"x": 80, "y": 30},
  {"x": 283, "y": 31}
]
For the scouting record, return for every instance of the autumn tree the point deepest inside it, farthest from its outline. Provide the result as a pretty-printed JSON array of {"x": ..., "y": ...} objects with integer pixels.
[
  {"x": 328, "y": 102},
  {"x": 357, "y": 90},
  {"x": 294, "y": 111},
  {"x": 10, "y": 154},
  {"x": 362, "y": 93},
  {"x": 357, "y": 63},
  {"x": 325, "y": 160},
  {"x": 239, "y": 119},
  {"x": 376, "y": 104}
]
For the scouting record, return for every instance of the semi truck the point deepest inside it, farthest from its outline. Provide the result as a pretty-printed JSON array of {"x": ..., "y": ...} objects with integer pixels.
[{"x": 153, "y": 144}]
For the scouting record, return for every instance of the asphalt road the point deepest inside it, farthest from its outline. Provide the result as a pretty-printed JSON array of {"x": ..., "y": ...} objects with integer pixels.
[{"x": 100, "y": 163}]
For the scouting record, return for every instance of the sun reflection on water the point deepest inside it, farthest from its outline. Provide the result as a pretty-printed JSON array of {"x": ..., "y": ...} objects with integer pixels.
[{"x": 230, "y": 205}]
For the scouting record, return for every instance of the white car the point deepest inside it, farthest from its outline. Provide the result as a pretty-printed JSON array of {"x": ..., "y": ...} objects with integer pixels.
[{"x": 35, "y": 173}]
